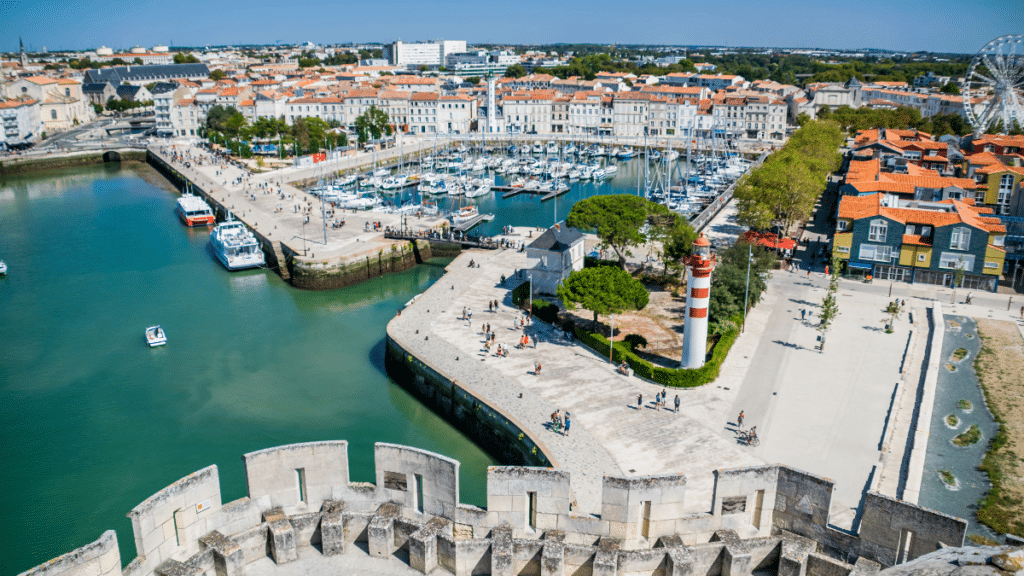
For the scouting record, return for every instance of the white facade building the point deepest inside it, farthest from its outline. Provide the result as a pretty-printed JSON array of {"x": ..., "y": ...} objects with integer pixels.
[{"x": 422, "y": 53}]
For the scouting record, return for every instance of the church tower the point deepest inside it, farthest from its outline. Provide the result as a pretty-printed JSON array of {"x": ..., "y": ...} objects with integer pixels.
[{"x": 24, "y": 58}]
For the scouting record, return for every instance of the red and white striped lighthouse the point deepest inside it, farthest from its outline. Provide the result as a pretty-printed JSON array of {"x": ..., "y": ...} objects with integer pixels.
[{"x": 695, "y": 329}]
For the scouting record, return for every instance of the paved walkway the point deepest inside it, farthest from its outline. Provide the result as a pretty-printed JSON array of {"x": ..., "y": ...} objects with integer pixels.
[{"x": 288, "y": 225}]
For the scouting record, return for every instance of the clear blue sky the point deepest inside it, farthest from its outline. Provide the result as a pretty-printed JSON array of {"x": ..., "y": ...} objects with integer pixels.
[{"x": 906, "y": 25}]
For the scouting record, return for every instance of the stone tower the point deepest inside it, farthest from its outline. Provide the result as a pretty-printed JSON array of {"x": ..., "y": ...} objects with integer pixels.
[
  {"x": 698, "y": 283},
  {"x": 24, "y": 57}
]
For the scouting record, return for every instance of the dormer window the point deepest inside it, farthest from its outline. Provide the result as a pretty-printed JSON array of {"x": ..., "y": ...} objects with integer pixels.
[
  {"x": 960, "y": 239},
  {"x": 910, "y": 230},
  {"x": 878, "y": 230}
]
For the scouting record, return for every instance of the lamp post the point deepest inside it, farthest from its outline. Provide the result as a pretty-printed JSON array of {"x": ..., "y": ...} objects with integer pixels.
[
  {"x": 746, "y": 292},
  {"x": 611, "y": 340}
]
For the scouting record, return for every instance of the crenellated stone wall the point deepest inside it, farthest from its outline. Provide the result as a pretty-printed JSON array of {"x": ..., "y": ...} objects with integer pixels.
[{"x": 765, "y": 519}]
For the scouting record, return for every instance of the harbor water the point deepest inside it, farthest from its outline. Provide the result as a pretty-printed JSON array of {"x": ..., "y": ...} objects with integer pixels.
[{"x": 94, "y": 421}]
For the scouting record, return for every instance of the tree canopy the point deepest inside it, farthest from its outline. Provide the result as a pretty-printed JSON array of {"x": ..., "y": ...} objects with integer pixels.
[
  {"x": 185, "y": 58},
  {"x": 783, "y": 190},
  {"x": 515, "y": 71},
  {"x": 603, "y": 290},
  {"x": 217, "y": 74},
  {"x": 373, "y": 124},
  {"x": 729, "y": 280},
  {"x": 618, "y": 220},
  {"x": 227, "y": 120}
]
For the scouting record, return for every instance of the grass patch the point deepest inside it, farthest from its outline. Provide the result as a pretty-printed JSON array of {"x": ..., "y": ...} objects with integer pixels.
[
  {"x": 953, "y": 421},
  {"x": 950, "y": 367},
  {"x": 980, "y": 540},
  {"x": 954, "y": 324},
  {"x": 964, "y": 405},
  {"x": 968, "y": 438},
  {"x": 959, "y": 354},
  {"x": 947, "y": 477},
  {"x": 969, "y": 336}
]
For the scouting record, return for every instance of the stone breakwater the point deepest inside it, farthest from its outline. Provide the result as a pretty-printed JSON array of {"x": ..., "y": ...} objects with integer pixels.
[{"x": 302, "y": 509}]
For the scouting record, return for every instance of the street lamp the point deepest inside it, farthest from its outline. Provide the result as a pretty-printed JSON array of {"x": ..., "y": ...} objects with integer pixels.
[{"x": 746, "y": 292}]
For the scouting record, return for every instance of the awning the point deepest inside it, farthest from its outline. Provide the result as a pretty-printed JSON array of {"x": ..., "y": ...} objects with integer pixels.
[
  {"x": 859, "y": 266},
  {"x": 769, "y": 240}
]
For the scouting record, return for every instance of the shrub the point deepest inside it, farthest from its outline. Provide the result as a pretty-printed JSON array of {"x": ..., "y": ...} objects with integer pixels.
[
  {"x": 674, "y": 377},
  {"x": 545, "y": 311},
  {"x": 635, "y": 341},
  {"x": 591, "y": 262}
]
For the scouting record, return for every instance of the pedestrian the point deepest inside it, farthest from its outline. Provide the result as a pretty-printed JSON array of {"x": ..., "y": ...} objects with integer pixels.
[
  {"x": 810, "y": 313},
  {"x": 537, "y": 371},
  {"x": 639, "y": 401},
  {"x": 739, "y": 419},
  {"x": 1022, "y": 312},
  {"x": 677, "y": 403},
  {"x": 490, "y": 306},
  {"x": 968, "y": 298},
  {"x": 534, "y": 341},
  {"x": 664, "y": 397},
  {"x": 536, "y": 367},
  {"x": 808, "y": 273},
  {"x": 471, "y": 316},
  {"x": 568, "y": 422},
  {"x": 803, "y": 314}
]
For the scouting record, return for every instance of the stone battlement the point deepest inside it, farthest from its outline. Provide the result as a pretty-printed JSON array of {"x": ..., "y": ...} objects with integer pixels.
[{"x": 767, "y": 518}]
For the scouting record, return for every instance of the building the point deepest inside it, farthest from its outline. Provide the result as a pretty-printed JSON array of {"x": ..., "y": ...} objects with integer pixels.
[
  {"x": 481, "y": 63},
  {"x": 559, "y": 252},
  {"x": 142, "y": 75},
  {"x": 891, "y": 238},
  {"x": 62, "y": 103},
  {"x": 422, "y": 53},
  {"x": 99, "y": 92},
  {"x": 21, "y": 122}
]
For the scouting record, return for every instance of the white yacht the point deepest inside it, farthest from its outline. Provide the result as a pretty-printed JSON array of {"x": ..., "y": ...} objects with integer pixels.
[
  {"x": 155, "y": 336},
  {"x": 235, "y": 246},
  {"x": 465, "y": 214},
  {"x": 396, "y": 181},
  {"x": 478, "y": 190},
  {"x": 3, "y": 268}
]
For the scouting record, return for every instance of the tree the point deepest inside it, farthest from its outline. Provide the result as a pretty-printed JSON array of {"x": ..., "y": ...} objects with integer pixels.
[
  {"x": 137, "y": 61},
  {"x": 220, "y": 118},
  {"x": 515, "y": 71},
  {"x": 802, "y": 118},
  {"x": 373, "y": 124},
  {"x": 829, "y": 304},
  {"x": 474, "y": 80},
  {"x": 217, "y": 74},
  {"x": 617, "y": 219},
  {"x": 949, "y": 88},
  {"x": 729, "y": 286},
  {"x": 185, "y": 58},
  {"x": 603, "y": 290}
]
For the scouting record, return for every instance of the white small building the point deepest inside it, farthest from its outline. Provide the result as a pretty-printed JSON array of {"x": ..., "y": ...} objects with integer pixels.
[{"x": 559, "y": 252}]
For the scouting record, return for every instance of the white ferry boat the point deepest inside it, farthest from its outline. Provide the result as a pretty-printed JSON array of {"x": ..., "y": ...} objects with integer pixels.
[
  {"x": 235, "y": 246},
  {"x": 194, "y": 211}
]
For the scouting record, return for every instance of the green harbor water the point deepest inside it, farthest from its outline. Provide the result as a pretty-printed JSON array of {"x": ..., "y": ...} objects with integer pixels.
[{"x": 94, "y": 421}]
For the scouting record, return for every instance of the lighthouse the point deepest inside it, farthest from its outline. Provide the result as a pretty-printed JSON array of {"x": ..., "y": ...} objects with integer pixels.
[{"x": 695, "y": 329}]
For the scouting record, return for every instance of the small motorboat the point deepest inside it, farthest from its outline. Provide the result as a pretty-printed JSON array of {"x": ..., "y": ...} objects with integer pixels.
[
  {"x": 155, "y": 336},
  {"x": 3, "y": 268}
]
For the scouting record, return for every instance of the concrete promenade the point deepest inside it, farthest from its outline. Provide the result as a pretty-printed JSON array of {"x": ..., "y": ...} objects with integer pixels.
[
  {"x": 608, "y": 433},
  {"x": 288, "y": 225}
]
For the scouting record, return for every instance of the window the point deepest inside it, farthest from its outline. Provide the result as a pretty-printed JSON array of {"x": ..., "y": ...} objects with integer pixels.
[
  {"x": 999, "y": 241},
  {"x": 53, "y": 114},
  {"x": 991, "y": 264},
  {"x": 843, "y": 249},
  {"x": 960, "y": 239},
  {"x": 878, "y": 230},
  {"x": 910, "y": 230},
  {"x": 952, "y": 261},
  {"x": 875, "y": 253},
  {"x": 926, "y": 231},
  {"x": 922, "y": 257}
]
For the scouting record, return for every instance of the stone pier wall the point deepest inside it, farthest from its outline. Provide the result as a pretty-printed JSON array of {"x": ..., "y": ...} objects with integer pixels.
[
  {"x": 337, "y": 273},
  {"x": 28, "y": 164}
]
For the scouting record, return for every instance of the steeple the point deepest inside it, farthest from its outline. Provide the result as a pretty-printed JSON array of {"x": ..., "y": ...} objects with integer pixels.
[{"x": 24, "y": 58}]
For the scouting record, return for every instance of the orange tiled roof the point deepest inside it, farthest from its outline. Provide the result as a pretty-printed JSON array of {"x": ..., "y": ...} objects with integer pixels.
[
  {"x": 40, "y": 80},
  {"x": 858, "y": 207},
  {"x": 916, "y": 240}
]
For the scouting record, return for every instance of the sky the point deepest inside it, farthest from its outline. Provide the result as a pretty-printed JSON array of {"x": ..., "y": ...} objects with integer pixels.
[{"x": 956, "y": 26}]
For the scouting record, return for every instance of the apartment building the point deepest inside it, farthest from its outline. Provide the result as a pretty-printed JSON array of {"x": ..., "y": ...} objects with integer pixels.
[
  {"x": 21, "y": 121},
  {"x": 892, "y": 238},
  {"x": 631, "y": 112}
]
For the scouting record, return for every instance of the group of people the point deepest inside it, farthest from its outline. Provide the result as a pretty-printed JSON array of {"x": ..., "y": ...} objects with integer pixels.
[
  {"x": 560, "y": 423},
  {"x": 659, "y": 400},
  {"x": 749, "y": 437}
]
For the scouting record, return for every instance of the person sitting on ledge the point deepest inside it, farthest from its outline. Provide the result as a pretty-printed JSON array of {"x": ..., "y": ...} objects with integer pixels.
[{"x": 623, "y": 368}]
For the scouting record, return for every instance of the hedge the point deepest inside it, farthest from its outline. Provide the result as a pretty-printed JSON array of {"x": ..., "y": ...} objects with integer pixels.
[
  {"x": 674, "y": 377},
  {"x": 545, "y": 311}
]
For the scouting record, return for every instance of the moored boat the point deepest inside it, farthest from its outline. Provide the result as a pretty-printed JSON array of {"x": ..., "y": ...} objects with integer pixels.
[
  {"x": 194, "y": 211},
  {"x": 235, "y": 246}
]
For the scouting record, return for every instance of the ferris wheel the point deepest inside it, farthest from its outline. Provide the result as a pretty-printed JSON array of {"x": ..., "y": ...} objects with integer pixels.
[{"x": 994, "y": 84}]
